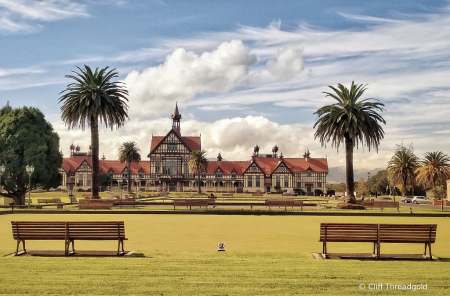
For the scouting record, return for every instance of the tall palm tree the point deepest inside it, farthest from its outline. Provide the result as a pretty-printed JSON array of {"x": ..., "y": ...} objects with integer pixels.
[
  {"x": 350, "y": 121},
  {"x": 90, "y": 99},
  {"x": 433, "y": 170},
  {"x": 198, "y": 163},
  {"x": 402, "y": 166},
  {"x": 129, "y": 153}
]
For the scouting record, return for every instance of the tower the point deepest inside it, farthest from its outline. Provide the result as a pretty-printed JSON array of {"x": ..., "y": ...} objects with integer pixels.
[{"x": 176, "y": 120}]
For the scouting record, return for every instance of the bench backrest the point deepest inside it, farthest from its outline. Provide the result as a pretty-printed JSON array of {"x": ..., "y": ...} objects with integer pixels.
[
  {"x": 380, "y": 203},
  {"x": 347, "y": 232},
  {"x": 401, "y": 233},
  {"x": 42, "y": 230},
  {"x": 96, "y": 230},
  {"x": 38, "y": 230}
]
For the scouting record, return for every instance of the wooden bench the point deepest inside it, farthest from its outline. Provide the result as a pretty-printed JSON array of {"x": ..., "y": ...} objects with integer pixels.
[
  {"x": 380, "y": 204},
  {"x": 283, "y": 203},
  {"x": 50, "y": 201},
  {"x": 377, "y": 234},
  {"x": 125, "y": 202},
  {"x": 95, "y": 204},
  {"x": 190, "y": 203},
  {"x": 69, "y": 232}
]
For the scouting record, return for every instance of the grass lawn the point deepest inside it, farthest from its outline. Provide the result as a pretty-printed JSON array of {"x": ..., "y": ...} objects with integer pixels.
[{"x": 177, "y": 255}]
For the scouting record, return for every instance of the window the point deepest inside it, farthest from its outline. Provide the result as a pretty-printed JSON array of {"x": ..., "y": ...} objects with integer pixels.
[
  {"x": 277, "y": 183},
  {"x": 299, "y": 184},
  {"x": 171, "y": 147},
  {"x": 141, "y": 173},
  {"x": 170, "y": 168},
  {"x": 88, "y": 179},
  {"x": 308, "y": 173},
  {"x": 219, "y": 174},
  {"x": 203, "y": 175},
  {"x": 286, "y": 181},
  {"x": 110, "y": 173},
  {"x": 249, "y": 182},
  {"x": 258, "y": 181},
  {"x": 319, "y": 184},
  {"x": 125, "y": 173},
  {"x": 233, "y": 175}
]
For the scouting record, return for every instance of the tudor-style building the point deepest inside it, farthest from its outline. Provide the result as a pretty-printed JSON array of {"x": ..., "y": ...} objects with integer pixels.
[{"x": 168, "y": 169}]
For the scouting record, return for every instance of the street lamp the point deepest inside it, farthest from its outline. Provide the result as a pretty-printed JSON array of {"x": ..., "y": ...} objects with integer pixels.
[
  {"x": 2, "y": 170},
  {"x": 30, "y": 170},
  {"x": 368, "y": 183}
]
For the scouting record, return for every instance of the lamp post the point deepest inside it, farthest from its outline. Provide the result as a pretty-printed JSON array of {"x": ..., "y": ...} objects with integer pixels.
[
  {"x": 30, "y": 170},
  {"x": 442, "y": 197},
  {"x": 2, "y": 170},
  {"x": 368, "y": 183}
]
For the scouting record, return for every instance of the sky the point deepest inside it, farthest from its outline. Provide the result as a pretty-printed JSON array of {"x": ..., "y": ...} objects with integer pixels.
[{"x": 243, "y": 73}]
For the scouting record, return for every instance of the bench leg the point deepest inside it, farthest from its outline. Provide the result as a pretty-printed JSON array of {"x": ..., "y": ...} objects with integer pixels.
[
  {"x": 429, "y": 249},
  {"x": 324, "y": 248},
  {"x": 23, "y": 245},
  {"x": 374, "y": 245}
]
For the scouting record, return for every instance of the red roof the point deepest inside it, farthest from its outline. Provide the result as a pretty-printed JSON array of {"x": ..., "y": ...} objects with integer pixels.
[
  {"x": 71, "y": 165},
  {"x": 227, "y": 167}
]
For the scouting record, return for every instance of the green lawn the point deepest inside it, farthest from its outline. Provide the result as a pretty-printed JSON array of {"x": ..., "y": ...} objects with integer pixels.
[{"x": 177, "y": 255}]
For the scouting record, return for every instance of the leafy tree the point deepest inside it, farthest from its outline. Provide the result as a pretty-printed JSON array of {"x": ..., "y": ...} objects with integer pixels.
[
  {"x": 339, "y": 187},
  {"x": 379, "y": 182},
  {"x": 198, "y": 163},
  {"x": 362, "y": 188},
  {"x": 90, "y": 99},
  {"x": 129, "y": 153},
  {"x": 433, "y": 170},
  {"x": 26, "y": 138},
  {"x": 439, "y": 192},
  {"x": 350, "y": 121},
  {"x": 402, "y": 166}
]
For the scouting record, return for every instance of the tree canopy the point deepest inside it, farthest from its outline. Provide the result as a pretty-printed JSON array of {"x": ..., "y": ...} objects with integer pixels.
[
  {"x": 198, "y": 163},
  {"x": 129, "y": 153},
  {"x": 402, "y": 166},
  {"x": 91, "y": 99},
  {"x": 26, "y": 138},
  {"x": 350, "y": 121},
  {"x": 433, "y": 170}
]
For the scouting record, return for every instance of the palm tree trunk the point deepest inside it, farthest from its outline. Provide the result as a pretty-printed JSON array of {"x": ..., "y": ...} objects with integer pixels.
[
  {"x": 94, "y": 157},
  {"x": 129, "y": 177},
  {"x": 199, "y": 188},
  {"x": 404, "y": 187},
  {"x": 350, "y": 184}
]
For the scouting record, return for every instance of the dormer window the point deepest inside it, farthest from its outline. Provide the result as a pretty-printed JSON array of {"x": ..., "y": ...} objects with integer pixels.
[
  {"x": 219, "y": 174},
  {"x": 110, "y": 172},
  {"x": 203, "y": 175},
  {"x": 233, "y": 175},
  {"x": 125, "y": 173},
  {"x": 141, "y": 173}
]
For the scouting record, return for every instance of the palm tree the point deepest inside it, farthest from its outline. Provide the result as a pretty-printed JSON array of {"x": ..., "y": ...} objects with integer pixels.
[
  {"x": 434, "y": 169},
  {"x": 350, "y": 121},
  {"x": 198, "y": 163},
  {"x": 402, "y": 166},
  {"x": 90, "y": 99},
  {"x": 129, "y": 153}
]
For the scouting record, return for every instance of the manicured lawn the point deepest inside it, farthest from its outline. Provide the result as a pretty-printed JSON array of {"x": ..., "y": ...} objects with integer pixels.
[{"x": 177, "y": 254}]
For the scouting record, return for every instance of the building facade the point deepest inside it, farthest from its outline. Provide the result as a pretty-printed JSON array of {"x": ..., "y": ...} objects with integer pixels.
[{"x": 168, "y": 169}]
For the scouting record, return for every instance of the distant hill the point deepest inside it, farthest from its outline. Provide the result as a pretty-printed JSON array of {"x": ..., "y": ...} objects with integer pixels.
[{"x": 337, "y": 174}]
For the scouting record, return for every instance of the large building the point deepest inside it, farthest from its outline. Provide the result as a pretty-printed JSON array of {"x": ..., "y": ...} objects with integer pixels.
[{"x": 168, "y": 169}]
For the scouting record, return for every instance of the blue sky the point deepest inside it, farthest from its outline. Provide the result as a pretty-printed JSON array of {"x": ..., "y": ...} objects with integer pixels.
[{"x": 243, "y": 72}]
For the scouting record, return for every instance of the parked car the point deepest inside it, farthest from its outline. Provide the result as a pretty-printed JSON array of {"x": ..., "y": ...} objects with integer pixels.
[
  {"x": 407, "y": 199},
  {"x": 420, "y": 199}
]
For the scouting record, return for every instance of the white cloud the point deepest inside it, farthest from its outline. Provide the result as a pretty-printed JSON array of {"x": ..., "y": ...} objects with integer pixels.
[
  {"x": 185, "y": 74},
  {"x": 16, "y": 15},
  {"x": 287, "y": 63}
]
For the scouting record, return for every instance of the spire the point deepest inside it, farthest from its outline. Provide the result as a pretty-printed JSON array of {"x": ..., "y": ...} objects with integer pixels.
[
  {"x": 103, "y": 158},
  {"x": 176, "y": 119},
  {"x": 219, "y": 157}
]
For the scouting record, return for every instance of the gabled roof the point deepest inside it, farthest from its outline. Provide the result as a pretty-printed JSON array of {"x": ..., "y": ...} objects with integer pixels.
[
  {"x": 70, "y": 165},
  {"x": 227, "y": 167},
  {"x": 193, "y": 143},
  {"x": 302, "y": 164}
]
